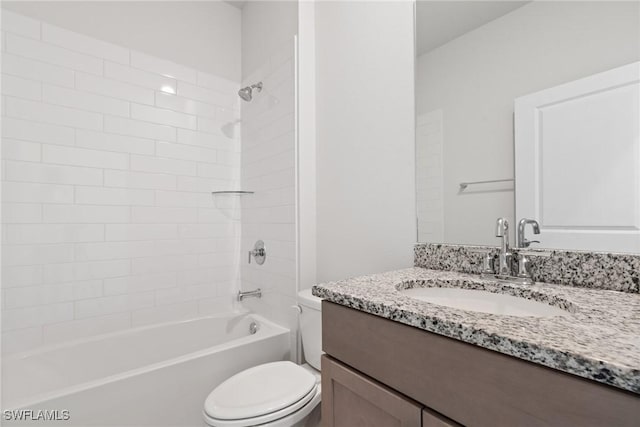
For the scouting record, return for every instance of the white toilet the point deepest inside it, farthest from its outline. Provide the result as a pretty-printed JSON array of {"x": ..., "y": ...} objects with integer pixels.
[{"x": 277, "y": 394}]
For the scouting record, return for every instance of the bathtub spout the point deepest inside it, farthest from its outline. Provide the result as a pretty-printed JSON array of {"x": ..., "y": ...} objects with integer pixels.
[{"x": 255, "y": 293}]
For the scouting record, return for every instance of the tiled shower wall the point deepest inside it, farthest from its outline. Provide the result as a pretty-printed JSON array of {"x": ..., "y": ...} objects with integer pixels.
[
  {"x": 109, "y": 159},
  {"x": 268, "y": 168}
]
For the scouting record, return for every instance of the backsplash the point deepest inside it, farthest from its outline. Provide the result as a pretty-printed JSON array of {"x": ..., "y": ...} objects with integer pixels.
[{"x": 596, "y": 270}]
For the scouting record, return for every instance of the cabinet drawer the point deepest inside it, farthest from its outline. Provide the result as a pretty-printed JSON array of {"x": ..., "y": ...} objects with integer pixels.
[{"x": 350, "y": 399}]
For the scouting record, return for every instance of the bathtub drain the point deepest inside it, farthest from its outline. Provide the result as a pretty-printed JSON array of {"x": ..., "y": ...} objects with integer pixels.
[{"x": 253, "y": 328}]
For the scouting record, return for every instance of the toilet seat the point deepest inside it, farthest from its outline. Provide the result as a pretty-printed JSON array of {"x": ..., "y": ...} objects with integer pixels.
[{"x": 261, "y": 395}]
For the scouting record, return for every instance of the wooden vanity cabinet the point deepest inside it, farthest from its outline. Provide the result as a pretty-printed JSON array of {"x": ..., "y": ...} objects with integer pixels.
[{"x": 377, "y": 372}]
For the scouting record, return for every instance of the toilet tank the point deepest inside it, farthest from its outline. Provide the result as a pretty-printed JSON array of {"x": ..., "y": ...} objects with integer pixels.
[{"x": 311, "y": 327}]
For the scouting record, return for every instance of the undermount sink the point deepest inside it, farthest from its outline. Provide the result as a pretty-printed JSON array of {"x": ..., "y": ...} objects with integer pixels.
[{"x": 484, "y": 302}]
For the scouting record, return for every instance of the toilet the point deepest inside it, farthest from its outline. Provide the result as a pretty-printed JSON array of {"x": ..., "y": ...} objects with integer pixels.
[{"x": 276, "y": 394}]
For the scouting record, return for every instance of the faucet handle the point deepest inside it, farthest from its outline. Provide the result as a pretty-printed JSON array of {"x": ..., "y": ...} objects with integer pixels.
[{"x": 487, "y": 264}]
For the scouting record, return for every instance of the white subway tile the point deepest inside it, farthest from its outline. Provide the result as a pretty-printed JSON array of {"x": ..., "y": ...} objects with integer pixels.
[
  {"x": 54, "y": 174},
  {"x": 114, "y": 250},
  {"x": 163, "y": 67},
  {"x": 85, "y": 214},
  {"x": 59, "y": 273},
  {"x": 36, "y": 316},
  {"x": 13, "y": 149},
  {"x": 36, "y": 254},
  {"x": 207, "y": 230},
  {"x": 29, "y": 110},
  {"x": 208, "y": 140},
  {"x": 213, "y": 97},
  {"x": 208, "y": 306},
  {"x": 53, "y": 54},
  {"x": 21, "y": 192},
  {"x": 50, "y": 294},
  {"x": 53, "y": 233},
  {"x": 128, "y": 179},
  {"x": 36, "y": 70},
  {"x": 211, "y": 126},
  {"x": 185, "y": 105},
  {"x": 138, "y": 77},
  {"x": 122, "y": 232},
  {"x": 113, "y": 196},
  {"x": 28, "y": 275},
  {"x": 217, "y": 83},
  {"x": 141, "y": 283},
  {"x": 84, "y": 157},
  {"x": 84, "y": 101},
  {"x": 75, "y": 329},
  {"x": 21, "y": 339},
  {"x": 182, "y": 199},
  {"x": 113, "y": 88},
  {"x": 186, "y": 152},
  {"x": 80, "y": 43},
  {"x": 216, "y": 171},
  {"x": 113, "y": 304},
  {"x": 36, "y": 132},
  {"x": 185, "y": 293},
  {"x": 162, "y": 165},
  {"x": 163, "y": 117},
  {"x": 102, "y": 269},
  {"x": 163, "y": 215},
  {"x": 161, "y": 264},
  {"x": 21, "y": 88},
  {"x": 203, "y": 185},
  {"x": 231, "y": 158},
  {"x": 164, "y": 313},
  {"x": 123, "y": 126},
  {"x": 14, "y": 213},
  {"x": 112, "y": 142},
  {"x": 19, "y": 24}
]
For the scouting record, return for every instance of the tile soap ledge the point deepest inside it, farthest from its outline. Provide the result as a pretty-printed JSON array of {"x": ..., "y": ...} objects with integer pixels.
[{"x": 597, "y": 340}]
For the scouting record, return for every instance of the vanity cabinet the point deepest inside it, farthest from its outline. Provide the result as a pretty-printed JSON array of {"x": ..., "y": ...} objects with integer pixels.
[{"x": 379, "y": 372}]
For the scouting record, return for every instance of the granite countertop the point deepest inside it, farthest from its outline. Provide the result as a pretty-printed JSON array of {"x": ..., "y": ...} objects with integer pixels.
[{"x": 598, "y": 339}]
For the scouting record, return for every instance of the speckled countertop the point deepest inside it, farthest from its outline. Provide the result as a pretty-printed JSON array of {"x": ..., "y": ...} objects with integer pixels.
[{"x": 598, "y": 338}]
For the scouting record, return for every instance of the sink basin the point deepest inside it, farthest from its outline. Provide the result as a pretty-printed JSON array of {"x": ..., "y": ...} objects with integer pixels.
[{"x": 484, "y": 302}]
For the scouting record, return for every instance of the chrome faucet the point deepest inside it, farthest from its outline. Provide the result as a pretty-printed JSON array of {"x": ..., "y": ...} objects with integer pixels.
[
  {"x": 255, "y": 293},
  {"x": 524, "y": 274},
  {"x": 504, "y": 258},
  {"x": 521, "y": 241}
]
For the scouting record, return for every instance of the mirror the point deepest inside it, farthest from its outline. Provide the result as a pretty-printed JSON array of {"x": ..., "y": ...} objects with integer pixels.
[{"x": 486, "y": 70}]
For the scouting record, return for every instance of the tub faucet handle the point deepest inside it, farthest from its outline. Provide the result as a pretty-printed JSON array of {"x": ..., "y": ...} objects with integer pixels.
[{"x": 259, "y": 253}]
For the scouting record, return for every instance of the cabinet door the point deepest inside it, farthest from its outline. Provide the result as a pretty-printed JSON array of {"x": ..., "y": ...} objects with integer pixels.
[
  {"x": 433, "y": 419},
  {"x": 349, "y": 399}
]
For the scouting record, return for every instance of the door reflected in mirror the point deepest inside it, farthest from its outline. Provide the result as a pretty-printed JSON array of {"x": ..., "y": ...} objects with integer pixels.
[{"x": 566, "y": 74}]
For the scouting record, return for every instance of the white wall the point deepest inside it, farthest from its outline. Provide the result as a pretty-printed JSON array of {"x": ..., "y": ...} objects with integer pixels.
[
  {"x": 365, "y": 137},
  {"x": 475, "y": 78},
  {"x": 108, "y": 219},
  {"x": 266, "y": 26},
  {"x": 200, "y": 34}
]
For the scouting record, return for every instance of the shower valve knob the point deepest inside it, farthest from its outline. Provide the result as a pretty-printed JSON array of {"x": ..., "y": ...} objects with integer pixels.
[{"x": 258, "y": 253}]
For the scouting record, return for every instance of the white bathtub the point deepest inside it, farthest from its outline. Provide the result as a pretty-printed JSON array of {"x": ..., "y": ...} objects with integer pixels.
[{"x": 151, "y": 376}]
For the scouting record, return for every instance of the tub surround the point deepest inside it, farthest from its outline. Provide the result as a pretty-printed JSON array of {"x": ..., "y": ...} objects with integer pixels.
[
  {"x": 595, "y": 270},
  {"x": 597, "y": 340}
]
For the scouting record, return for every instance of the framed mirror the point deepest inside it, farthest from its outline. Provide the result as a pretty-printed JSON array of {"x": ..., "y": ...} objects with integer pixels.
[{"x": 529, "y": 110}]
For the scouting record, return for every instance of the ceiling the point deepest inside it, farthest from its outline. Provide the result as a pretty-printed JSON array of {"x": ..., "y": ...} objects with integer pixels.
[{"x": 439, "y": 22}]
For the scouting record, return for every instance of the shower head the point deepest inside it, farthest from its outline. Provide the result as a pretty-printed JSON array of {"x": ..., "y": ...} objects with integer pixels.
[{"x": 246, "y": 93}]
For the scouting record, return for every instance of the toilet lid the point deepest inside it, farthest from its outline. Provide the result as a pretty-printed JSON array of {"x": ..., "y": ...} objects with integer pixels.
[{"x": 259, "y": 390}]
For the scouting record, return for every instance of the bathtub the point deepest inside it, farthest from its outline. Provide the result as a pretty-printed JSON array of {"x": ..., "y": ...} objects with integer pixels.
[{"x": 150, "y": 376}]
